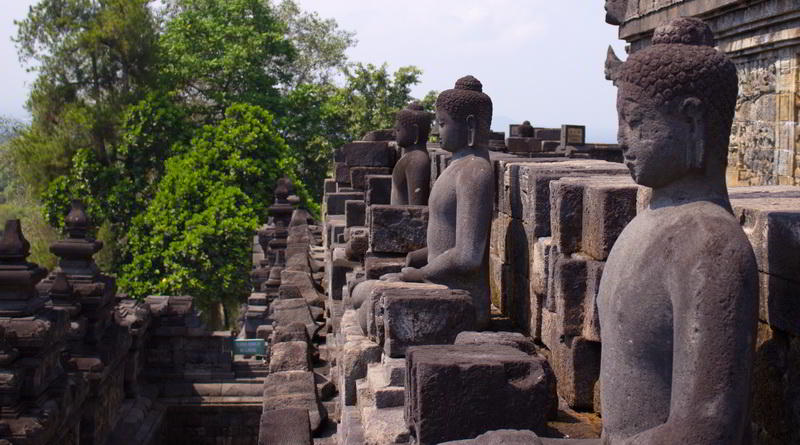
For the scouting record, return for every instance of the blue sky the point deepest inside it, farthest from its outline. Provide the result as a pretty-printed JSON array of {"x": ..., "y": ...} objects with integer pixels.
[{"x": 539, "y": 60}]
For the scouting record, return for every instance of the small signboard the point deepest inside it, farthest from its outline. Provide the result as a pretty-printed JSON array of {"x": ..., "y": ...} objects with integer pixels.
[
  {"x": 573, "y": 135},
  {"x": 249, "y": 347}
]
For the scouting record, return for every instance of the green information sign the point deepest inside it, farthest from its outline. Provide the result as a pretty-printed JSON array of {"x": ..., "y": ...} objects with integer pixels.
[{"x": 249, "y": 347}]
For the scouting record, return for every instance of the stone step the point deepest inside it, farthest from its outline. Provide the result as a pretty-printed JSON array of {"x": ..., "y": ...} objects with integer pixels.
[{"x": 385, "y": 426}]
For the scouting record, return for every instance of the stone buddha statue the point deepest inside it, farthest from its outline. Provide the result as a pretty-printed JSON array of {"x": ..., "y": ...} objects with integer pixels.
[
  {"x": 678, "y": 300},
  {"x": 526, "y": 130},
  {"x": 411, "y": 177},
  {"x": 460, "y": 205}
]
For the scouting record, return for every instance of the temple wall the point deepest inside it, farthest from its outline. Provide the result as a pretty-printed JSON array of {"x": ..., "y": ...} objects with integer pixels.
[{"x": 763, "y": 39}]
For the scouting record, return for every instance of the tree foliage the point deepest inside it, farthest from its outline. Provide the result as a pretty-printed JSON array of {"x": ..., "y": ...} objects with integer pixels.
[
  {"x": 196, "y": 234},
  {"x": 173, "y": 122}
]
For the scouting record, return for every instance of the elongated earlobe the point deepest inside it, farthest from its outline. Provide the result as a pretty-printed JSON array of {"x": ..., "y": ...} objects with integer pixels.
[
  {"x": 471, "y": 132},
  {"x": 692, "y": 108},
  {"x": 416, "y": 133}
]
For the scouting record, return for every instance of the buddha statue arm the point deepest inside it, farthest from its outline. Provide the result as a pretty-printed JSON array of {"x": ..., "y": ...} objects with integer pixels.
[
  {"x": 473, "y": 216},
  {"x": 715, "y": 305}
]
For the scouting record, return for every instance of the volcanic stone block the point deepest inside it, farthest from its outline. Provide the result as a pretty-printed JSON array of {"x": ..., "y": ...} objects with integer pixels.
[
  {"x": 607, "y": 210},
  {"x": 358, "y": 175},
  {"x": 342, "y": 174},
  {"x": 780, "y": 302},
  {"x": 340, "y": 266},
  {"x": 285, "y": 312},
  {"x": 569, "y": 287},
  {"x": 529, "y": 183},
  {"x": 397, "y": 229},
  {"x": 573, "y": 135},
  {"x": 289, "y": 426},
  {"x": 355, "y": 213},
  {"x": 522, "y": 145},
  {"x": 377, "y": 265},
  {"x": 335, "y": 202},
  {"x": 500, "y": 437},
  {"x": 293, "y": 389},
  {"x": 304, "y": 283},
  {"x": 289, "y": 292},
  {"x": 566, "y": 215},
  {"x": 379, "y": 190},
  {"x": 357, "y": 353},
  {"x": 289, "y": 356},
  {"x": 540, "y": 265},
  {"x": 591, "y": 316},
  {"x": 369, "y": 154},
  {"x": 576, "y": 364},
  {"x": 414, "y": 316},
  {"x": 375, "y": 303},
  {"x": 771, "y": 219},
  {"x": 293, "y": 332},
  {"x": 330, "y": 185},
  {"x": 513, "y": 339},
  {"x": 357, "y": 244},
  {"x": 550, "y": 146},
  {"x": 548, "y": 134},
  {"x": 460, "y": 391}
]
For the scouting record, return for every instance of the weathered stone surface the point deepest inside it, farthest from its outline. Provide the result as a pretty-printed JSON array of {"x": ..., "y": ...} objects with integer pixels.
[
  {"x": 369, "y": 154},
  {"x": 523, "y": 145},
  {"x": 358, "y": 175},
  {"x": 608, "y": 208},
  {"x": 357, "y": 353},
  {"x": 485, "y": 387},
  {"x": 335, "y": 202},
  {"x": 576, "y": 364},
  {"x": 355, "y": 213},
  {"x": 770, "y": 217},
  {"x": 501, "y": 437},
  {"x": 379, "y": 190},
  {"x": 415, "y": 316},
  {"x": 384, "y": 426},
  {"x": 286, "y": 312},
  {"x": 397, "y": 229},
  {"x": 527, "y": 186},
  {"x": 288, "y": 426},
  {"x": 303, "y": 282},
  {"x": 377, "y": 265},
  {"x": 290, "y": 333},
  {"x": 293, "y": 389},
  {"x": 513, "y": 339},
  {"x": 330, "y": 185},
  {"x": 290, "y": 356},
  {"x": 357, "y": 244}
]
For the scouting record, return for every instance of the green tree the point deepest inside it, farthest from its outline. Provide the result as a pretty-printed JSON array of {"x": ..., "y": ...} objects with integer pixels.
[
  {"x": 195, "y": 236},
  {"x": 220, "y": 52},
  {"x": 319, "y": 45},
  {"x": 371, "y": 96},
  {"x": 93, "y": 58}
]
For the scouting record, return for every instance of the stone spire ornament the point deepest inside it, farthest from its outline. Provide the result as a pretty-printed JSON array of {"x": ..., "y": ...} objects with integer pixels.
[{"x": 18, "y": 277}]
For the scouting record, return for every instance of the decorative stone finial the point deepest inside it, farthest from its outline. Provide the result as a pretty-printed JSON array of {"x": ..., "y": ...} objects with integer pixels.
[
  {"x": 77, "y": 221},
  {"x": 13, "y": 246}
]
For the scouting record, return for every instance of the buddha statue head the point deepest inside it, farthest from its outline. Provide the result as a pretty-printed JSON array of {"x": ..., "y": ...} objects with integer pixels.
[
  {"x": 413, "y": 126},
  {"x": 525, "y": 130},
  {"x": 676, "y": 102},
  {"x": 464, "y": 114}
]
